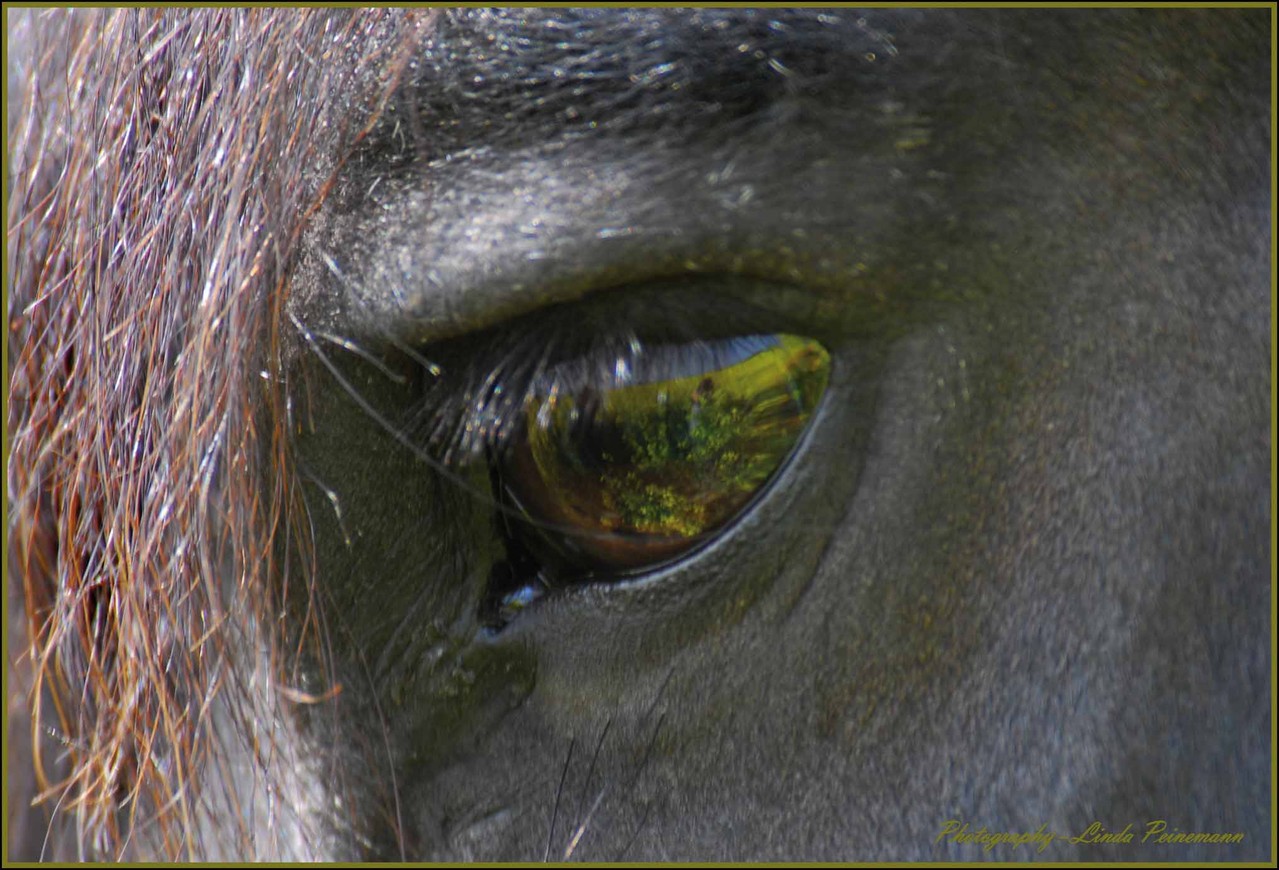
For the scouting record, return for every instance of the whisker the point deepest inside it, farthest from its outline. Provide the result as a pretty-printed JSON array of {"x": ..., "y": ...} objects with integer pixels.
[
  {"x": 568, "y": 852},
  {"x": 371, "y": 359},
  {"x": 555, "y": 811},
  {"x": 590, "y": 771}
]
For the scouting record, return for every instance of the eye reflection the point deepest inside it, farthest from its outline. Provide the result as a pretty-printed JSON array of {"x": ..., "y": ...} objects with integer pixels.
[{"x": 627, "y": 475}]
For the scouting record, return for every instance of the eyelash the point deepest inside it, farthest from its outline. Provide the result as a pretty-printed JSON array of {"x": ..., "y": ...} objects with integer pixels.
[
  {"x": 475, "y": 412},
  {"x": 478, "y": 409}
]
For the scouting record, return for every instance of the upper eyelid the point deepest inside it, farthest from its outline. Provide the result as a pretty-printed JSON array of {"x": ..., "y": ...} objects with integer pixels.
[
  {"x": 493, "y": 253},
  {"x": 448, "y": 249},
  {"x": 449, "y": 241}
]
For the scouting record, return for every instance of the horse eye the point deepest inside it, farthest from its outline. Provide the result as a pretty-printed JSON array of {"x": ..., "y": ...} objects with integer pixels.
[{"x": 621, "y": 476}]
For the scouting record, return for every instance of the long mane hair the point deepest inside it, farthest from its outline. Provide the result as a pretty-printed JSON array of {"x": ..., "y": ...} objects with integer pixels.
[{"x": 162, "y": 165}]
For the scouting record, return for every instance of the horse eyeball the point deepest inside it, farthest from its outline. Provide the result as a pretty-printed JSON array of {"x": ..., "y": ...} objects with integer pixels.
[{"x": 624, "y": 477}]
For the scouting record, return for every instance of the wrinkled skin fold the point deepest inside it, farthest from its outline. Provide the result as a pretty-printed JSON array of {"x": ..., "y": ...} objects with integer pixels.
[{"x": 1014, "y": 577}]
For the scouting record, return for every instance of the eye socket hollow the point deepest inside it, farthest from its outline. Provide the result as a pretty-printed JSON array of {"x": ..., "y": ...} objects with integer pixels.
[{"x": 626, "y": 475}]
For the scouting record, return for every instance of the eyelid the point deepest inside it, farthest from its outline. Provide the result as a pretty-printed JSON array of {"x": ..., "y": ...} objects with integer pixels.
[{"x": 512, "y": 233}]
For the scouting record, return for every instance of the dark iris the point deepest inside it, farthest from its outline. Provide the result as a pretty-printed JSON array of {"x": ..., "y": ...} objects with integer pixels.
[{"x": 625, "y": 475}]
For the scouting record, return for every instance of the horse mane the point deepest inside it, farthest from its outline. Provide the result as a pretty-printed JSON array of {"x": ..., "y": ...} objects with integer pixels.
[{"x": 163, "y": 163}]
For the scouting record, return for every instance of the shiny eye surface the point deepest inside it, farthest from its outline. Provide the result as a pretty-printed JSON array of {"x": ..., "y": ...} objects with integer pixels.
[{"x": 625, "y": 476}]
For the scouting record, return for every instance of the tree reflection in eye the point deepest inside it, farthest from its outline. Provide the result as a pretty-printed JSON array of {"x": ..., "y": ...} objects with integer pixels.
[{"x": 623, "y": 477}]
